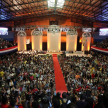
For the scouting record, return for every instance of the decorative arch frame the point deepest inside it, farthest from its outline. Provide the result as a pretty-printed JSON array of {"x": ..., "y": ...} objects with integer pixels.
[
  {"x": 53, "y": 29},
  {"x": 21, "y": 33},
  {"x": 36, "y": 32},
  {"x": 86, "y": 34},
  {"x": 72, "y": 32}
]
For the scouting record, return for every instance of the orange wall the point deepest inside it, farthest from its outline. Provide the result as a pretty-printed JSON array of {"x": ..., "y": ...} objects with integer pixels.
[
  {"x": 45, "y": 21},
  {"x": 44, "y": 38},
  {"x": 7, "y": 24},
  {"x": 63, "y": 38},
  {"x": 98, "y": 24}
]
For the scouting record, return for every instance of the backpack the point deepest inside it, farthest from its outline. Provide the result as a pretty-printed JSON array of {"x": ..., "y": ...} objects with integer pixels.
[{"x": 64, "y": 103}]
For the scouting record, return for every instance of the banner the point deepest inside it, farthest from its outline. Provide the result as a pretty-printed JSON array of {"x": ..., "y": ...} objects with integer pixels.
[
  {"x": 102, "y": 50},
  {"x": 8, "y": 50}
]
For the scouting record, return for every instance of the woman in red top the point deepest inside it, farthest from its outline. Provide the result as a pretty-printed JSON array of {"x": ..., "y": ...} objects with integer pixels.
[
  {"x": 35, "y": 89},
  {"x": 4, "y": 102},
  {"x": 93, "y": 75}
]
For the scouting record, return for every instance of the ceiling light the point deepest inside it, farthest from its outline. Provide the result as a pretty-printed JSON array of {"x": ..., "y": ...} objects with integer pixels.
[
  {"x": 51, "y": 3},
  {"x": 60, "y": 3},
  {"x": 55, "y": 3}
]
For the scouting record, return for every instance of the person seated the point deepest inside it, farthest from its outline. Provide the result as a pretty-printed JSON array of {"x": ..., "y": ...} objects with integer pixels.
[{"x": 4, "y": 102}]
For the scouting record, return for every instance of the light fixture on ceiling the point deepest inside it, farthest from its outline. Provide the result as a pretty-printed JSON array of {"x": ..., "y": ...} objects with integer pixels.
[
  {"x": 51, "y": 3},
  {"x": 60, "y": 3},
  {"x": 55, "y": 3}
]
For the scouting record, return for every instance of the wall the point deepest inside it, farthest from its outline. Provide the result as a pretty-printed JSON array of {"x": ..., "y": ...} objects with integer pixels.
[
  {"x": 62, "y": 21},
  {"x": 9, "y": 37},
  {"x": 98, "y": 38},
  {"x": 45, "y": 21},
  {"x": 7, "y": 23}
]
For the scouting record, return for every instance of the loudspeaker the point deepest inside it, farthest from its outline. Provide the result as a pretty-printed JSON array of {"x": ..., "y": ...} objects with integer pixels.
[{"x": 28, "y": 46}]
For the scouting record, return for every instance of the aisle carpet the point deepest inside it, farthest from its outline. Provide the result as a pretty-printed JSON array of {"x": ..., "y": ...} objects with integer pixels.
[{"x": 59, "y": 79}]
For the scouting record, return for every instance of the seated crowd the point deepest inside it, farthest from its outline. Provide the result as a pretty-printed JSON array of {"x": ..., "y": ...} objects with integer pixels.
[
  {"x": 5, "y": 44},
  {"x": 28, "y": 81},
  {"x": 24, "y": 76},
  {"x": 85, "y": 75},
  {"x": 103, "y": 44}
]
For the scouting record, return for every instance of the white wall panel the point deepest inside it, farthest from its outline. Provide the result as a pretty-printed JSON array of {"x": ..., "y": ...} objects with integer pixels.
[
  {"x": 54, "y": 42},
  {"x": 21, "y": 43},
  {"x": 71, "y": 43},
  {"x": 37, "y": 43}
]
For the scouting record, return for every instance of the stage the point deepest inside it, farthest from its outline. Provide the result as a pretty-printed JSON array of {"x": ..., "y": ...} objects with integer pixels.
[{"x": 77, "y": 53}]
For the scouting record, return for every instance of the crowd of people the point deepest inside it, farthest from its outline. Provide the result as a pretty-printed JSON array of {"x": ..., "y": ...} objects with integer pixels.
[
  {"x": 103, "y": 44},
  {"x": 5, "y": 44},
  {"x": 28, "y": 81},
  {"x": 26, "y": 77},
  {"x": 85, "y": 75}
]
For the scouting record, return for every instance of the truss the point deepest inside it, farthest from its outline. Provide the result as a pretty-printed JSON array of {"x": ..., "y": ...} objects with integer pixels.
[{"x": 92, "y": 10}]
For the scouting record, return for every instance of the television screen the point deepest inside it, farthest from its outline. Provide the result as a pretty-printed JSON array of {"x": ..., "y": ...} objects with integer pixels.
[
  {"x": 3, "y": 31},
  {"x": 87, "y": 29},
  {"x": 103, "y": 32}
]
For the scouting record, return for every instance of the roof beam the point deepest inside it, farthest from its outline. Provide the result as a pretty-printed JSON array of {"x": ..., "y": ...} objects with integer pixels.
[
  {"x": 80, "y": 3},
  {"x": 8, "y": 4},
  {"x": 99, "y": 7},
  {"x": 19, "y": 4},
  {"x": 82, "y": 9}
]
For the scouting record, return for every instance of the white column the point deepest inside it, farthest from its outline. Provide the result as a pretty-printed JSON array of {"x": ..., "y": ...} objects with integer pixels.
[
  {"x": 37, "y": 43},
  {"x": 21, "y": 37},
  {"x": 36, "y": 39},
  {"x": 21, "y": 42},
  {"x": 54, "y": 42},
  {"x": 71, "y": 43}
]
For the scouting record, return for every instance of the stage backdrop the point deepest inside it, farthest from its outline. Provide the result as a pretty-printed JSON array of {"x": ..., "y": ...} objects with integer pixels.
[
  {"x": 54, "y": 42},
  {"x": 21, "y": 35},
  {"x": 53, "y": 38},
  {"x": 36, "y": 40},
  {"x": 71, "y": 43}
]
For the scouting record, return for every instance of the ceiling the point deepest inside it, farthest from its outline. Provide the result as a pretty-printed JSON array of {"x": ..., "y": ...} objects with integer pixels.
[{"x": 93, "y": 10}]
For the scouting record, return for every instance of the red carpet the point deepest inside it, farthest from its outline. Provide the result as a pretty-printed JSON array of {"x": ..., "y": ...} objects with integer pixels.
[{"x": 59, "y": 79}]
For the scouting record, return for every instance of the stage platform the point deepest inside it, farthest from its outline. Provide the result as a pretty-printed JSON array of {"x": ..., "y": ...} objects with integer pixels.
[
  {"x": 54, "y": 53},
  {"x": 78, "y": 53},
  {"x": 39, "y": 53}
]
